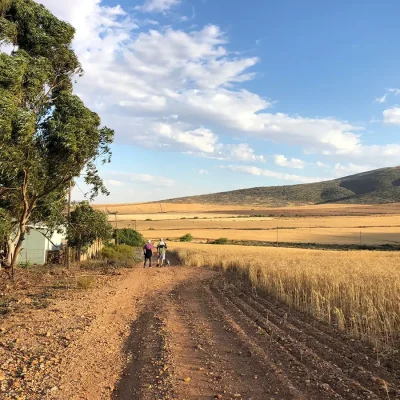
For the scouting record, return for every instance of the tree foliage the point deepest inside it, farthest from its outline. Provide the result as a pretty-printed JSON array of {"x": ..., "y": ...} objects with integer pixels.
[
  {"x": 85, "y": 225},
  {"x": 130, "y": 237},
  {"x": 5, "y": 226},
  {"x": 48, "y": 136}
]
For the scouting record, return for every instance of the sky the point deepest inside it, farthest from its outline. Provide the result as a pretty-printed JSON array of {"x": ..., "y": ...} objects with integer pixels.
[{"x": 215, "y": 95}]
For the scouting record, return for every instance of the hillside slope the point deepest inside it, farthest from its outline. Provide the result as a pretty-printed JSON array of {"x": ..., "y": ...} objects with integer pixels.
[{"x": 372, "y": 187}]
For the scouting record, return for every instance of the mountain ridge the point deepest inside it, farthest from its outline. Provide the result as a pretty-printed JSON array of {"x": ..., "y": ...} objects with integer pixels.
[{"x": 372, "y": 187}]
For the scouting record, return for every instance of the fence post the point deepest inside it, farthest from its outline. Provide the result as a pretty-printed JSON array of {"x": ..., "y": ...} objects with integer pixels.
[{"x": 277, "y": 236}]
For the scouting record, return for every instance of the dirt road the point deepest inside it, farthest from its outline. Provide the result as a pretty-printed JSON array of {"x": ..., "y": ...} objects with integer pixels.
[
  {"x": 186, "y": 334},
  {"x": 210, "y": 339}
]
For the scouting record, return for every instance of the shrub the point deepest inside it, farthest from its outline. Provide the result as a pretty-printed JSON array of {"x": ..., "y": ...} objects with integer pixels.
[
  {"x": 121, "y": 252},
  {"x": 130, "y": 237},
  {"x": 221, "y": 241},
  {"x": 109, "y": 253},
  {"x": 148, "y": 219},
  {"x": 85, "y": 282},
  {"x": 186, "y": 238}
]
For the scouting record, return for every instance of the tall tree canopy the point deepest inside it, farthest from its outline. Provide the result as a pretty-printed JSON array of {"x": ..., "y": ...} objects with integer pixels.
[{"x": 48, "y": 136}]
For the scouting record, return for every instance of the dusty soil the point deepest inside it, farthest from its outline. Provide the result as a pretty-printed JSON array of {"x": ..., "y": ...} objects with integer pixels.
[{"x": 184, "y": 334}]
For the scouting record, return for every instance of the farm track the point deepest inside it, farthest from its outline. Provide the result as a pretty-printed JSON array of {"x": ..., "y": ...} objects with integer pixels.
[{"x": 208, "y": 337}]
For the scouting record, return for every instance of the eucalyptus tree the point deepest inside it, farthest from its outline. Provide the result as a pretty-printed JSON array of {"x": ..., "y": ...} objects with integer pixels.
[{"x": 47, "y": 134}]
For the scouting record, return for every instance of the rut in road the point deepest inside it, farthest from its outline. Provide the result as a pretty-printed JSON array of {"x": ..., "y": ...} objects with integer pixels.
[{"x": 209, "y": 338}]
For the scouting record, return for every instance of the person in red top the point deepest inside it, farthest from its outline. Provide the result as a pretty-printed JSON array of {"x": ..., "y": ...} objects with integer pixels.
[{"x": 148, "y": 253}]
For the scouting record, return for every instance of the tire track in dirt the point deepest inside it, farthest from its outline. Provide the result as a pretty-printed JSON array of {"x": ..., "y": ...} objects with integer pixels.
[
  {"x": 353, "y": 364},
  {"x": 146, "y": 375},
  {"x": 209, "y": 337},
  {"x": 212, "y": 355},
  {"x": 327, "y": 372}
]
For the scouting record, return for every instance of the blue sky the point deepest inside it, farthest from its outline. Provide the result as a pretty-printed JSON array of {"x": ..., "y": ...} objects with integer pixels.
[{"x": 208, "y": 96}]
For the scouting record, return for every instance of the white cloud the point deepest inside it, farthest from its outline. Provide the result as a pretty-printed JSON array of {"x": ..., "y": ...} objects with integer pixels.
[
  {"x": 202, "y": 171},
  {"x": 240, "y": 152},
  {"x": 111, "y": 182},
  {"x": 382, "y": 99},
  {"x": 137, "y": 79},
  {"x": 128, "y": 177},
  {"x": 321, "y": 164},
  {"x": 392, "y": 116},
  {"x": 282, "y": 161},
  {"x": 394, "y": 91},
  {"x": 350, "y": 169},
  {"x": 158, "y": 6},
  {"x": 391, "y": 91},
  {"x": 252, "y": 170}
]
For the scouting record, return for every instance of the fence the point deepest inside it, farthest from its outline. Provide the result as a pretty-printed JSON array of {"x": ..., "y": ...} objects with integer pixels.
[{"x": 92, "y": 252}]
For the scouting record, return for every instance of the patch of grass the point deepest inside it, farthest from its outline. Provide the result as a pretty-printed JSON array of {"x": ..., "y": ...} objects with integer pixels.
[
  {"x": 221, "y": 241},
  {"x": 186, "y": 238},
  {"x": 25, "y": 265},
  {"x": 6, "y": 305},
  {"x": 85, "y": 282}
]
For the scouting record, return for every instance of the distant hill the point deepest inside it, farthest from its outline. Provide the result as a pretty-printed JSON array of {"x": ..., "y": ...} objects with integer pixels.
[{"x": 372, "y": 187}]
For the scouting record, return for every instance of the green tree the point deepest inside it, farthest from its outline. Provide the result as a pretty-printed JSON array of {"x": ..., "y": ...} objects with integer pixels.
[
  {"x": 85, "y": 225},
  {"x": 130, "y": 237},
  {"x": 5, "y": 226},
  {"x": 48, "y": 136}
]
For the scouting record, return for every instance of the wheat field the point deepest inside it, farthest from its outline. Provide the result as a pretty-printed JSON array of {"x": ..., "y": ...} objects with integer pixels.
[
  {"x": 358, "y": 292},
  {"x": 338, "y": 236}
]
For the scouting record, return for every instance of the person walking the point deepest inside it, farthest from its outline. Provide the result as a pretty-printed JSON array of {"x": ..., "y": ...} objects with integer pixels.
[
  {"x": 162, "y": 252},
  {"x": 148, "y": 253}
]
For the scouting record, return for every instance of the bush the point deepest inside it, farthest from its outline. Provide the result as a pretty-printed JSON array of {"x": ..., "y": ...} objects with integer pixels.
[
  {"x": 109, "y": 252},
  {"x": 186, "y": 238},
  {"x": 121, "y": 252},
  {"x": 130, "y": 237},
  {"x": 221, "y": 241},
  {"x": 148, "y": 219}
]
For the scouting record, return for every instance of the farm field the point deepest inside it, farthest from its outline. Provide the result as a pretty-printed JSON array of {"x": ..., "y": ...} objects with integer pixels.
[
  {"x": 340, "y": 230},
  {"x": 325, "y": 284},
  {"x": 320, "y": 224},
  {"x": 340, "y": 236},
  {"x": 177, "y": 210},
  {"x": 224, "y": 321}
]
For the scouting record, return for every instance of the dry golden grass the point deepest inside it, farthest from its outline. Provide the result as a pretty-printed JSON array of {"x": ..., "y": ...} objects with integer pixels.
[
  {"x": 359, "y": 292},
  {"x": 222, "y": 222},
  {"x": 165, "y": 208},
  {"x": 339, "y": 236},
  {"x": 248, "y": 209},
  {"x": 380, "y": 229}
]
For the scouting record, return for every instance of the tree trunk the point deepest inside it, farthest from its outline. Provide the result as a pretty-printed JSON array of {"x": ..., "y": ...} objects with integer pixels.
[
  {"x": 18, "y": 248},
  {"x": 23, "y": 222},
  {"x": 11, "y": 249}
]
